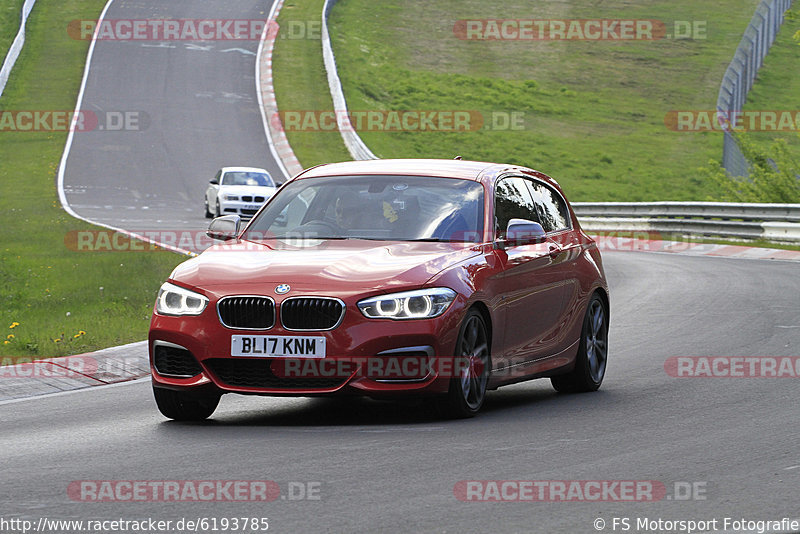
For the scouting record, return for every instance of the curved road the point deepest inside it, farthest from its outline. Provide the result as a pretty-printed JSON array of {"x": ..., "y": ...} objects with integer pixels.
[
  {"x": 392, "y": 468},
  {"x": 386, "y": 467},
  {"x": 195, "y": 109}
]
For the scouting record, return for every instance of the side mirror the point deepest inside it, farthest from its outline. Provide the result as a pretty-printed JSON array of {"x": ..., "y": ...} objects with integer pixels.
[
  {"x": 214, "y": 182},
  {"x": 522, "y": 232},
  {"x": 224, "y": 228}
]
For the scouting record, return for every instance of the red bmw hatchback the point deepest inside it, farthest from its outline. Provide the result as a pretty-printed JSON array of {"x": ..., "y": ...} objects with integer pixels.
[{"x": 434, "y": 278}]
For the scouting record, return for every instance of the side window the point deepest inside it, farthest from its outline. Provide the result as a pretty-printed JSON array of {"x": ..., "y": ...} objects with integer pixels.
[
  {"x": 552, "y": 209},
  {"x": 512, "y": 200},
  {"x": 218, "y": 176}
]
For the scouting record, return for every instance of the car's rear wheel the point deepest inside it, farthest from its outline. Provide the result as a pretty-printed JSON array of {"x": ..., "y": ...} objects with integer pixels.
[
  {"x": 590, "y": 363},
  {"x": 183, "y": 406},
  {"x": 206, "y": 211},
  {"x": 473, "y": 365}
]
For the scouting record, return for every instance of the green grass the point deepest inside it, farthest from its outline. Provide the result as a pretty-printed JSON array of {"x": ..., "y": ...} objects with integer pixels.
[
  {"x": 52, "y": 292},
  {"x": 301, "y": 84},
  {"x": 777, "y": 87},
  {"x": 594, "y": 111},
  {"x": 9, "y": 24}
]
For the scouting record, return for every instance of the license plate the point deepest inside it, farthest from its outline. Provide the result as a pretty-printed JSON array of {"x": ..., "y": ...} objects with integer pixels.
[
  {"x": 278, "y": 346},
  {"x": 252, "y": 206}
]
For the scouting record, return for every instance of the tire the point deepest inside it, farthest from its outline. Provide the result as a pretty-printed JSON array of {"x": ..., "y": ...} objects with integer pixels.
[
  {"x": 183, "y": 406},
  {"x": 590, "y": 363},
  {"x": 217, "y": 212},
  {"x": 206, "y": 212},
  {"x": 468, "y": 390}
]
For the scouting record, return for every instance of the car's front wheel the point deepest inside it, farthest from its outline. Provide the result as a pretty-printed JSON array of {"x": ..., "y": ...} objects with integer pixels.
[
  {"x": 183, "y": 406},
  {"x": 206, "y": 211},
  {"x": 473, "y": 365},
  {"x": 590, "y": 363},
  {"x": 217, "y": 211}
]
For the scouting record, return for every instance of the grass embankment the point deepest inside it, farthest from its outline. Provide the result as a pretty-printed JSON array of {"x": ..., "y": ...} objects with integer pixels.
[
  {"x": 777, "y": 87},
  {"x": 301, "y": 83},
  {"x": 9, "y": 24},
  {"x": 60, "y": 301},
  {"x": 594, "y": 110}
]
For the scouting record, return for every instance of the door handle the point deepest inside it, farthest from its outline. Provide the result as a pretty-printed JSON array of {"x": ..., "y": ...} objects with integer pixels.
[{"x": 553, "y": 249}]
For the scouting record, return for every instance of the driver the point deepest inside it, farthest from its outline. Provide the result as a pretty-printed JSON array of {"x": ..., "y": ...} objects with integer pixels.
[{"x": 347, "y": 210}]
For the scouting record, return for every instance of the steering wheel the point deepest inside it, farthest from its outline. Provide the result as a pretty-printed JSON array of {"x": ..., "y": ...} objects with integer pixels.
[{"x": 320, "y": 227}]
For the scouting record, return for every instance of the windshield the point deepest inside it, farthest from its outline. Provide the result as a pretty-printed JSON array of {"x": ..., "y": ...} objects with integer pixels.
[
  {"x": 247, "y": 178},
  {"x": 392, "y": 208}
]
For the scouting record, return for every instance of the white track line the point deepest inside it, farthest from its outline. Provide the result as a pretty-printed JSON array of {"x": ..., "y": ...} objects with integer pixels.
[
  {"x": 16, "y": 45},
  {"x": 65, "y": 156},
  {"x": 264, "y": 119}
]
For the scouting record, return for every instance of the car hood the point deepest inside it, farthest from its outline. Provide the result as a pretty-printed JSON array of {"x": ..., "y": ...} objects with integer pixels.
[
  {"x": 247, "y": 190},
  {"x": 314, "y": 267}
]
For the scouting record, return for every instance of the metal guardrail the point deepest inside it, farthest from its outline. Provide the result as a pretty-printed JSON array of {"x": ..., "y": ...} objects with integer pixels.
[
  {"x": 704, "y": 210},
  {"x": 773, "y": 222},
  {"x": 742, "y": 71}
]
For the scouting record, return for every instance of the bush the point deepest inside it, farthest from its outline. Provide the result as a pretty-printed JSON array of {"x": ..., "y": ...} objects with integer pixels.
[{"x": 774, "y": 175}]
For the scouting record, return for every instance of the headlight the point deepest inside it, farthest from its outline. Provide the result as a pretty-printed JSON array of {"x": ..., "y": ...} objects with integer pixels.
[
  {"x": 174, "y": 300},
  {"x": 230, "y": 197},
  {"x": 420, "y": 304}
]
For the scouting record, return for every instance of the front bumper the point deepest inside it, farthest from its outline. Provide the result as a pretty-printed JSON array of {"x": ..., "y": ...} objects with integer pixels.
[
  {"x": 245, "y": 210},
  {"x": 363, "y": 357}
]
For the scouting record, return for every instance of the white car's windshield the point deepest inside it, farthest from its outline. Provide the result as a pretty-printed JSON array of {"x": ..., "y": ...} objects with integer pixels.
[
  {"x": 392, "y": 208},
  {"x": 247, "y": 178}
]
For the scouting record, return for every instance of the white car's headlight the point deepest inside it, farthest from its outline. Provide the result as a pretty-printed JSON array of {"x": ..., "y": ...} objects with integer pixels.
[
  {"x": 174, "y": 300},
  {"x": 230, "y": 197},
  {"x": 420, "y": 304}
]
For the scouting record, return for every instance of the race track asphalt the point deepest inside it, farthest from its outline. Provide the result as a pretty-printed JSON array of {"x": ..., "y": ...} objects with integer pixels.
[
  {"x": 192, "y": 109},
  {"x": 385, "y": 467}
]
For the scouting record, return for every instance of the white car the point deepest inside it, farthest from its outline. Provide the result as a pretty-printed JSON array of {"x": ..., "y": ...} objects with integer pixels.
[{"x": 238, "y": 191}]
